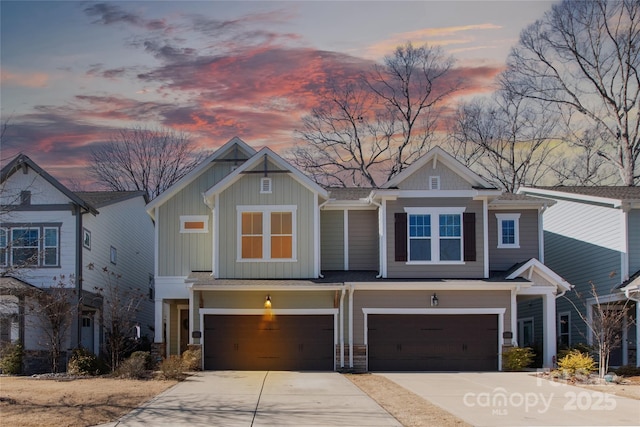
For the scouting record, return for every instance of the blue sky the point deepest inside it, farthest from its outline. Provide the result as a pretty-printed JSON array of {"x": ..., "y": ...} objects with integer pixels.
[{"x": 74, "y": 72}]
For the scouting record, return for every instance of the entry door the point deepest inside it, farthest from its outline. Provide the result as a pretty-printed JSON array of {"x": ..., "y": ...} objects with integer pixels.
[
  {"x": 184, "y": 330},
  {"x": 87, "y": 332}
]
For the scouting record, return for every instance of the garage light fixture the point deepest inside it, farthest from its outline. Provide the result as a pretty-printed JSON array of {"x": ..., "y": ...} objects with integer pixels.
[
  {"x": 267, "y": 302},
  {"x": 434, "y": 300}
]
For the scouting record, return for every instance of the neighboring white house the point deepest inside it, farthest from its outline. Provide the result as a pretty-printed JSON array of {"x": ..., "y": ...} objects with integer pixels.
[
  {"x": 51, "y": 235},
  {"x": 592, "y": 235}
]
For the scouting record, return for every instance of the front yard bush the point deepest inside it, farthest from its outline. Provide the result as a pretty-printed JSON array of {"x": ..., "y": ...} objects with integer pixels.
[
  {"x": 11, "y": 358},
  {"x": 172, "y": 368},
  {"x": 577, "y": 363},
  {"x": 517, "y": 358},
  {"x": 191, "y": 360},
  {"x": 627, "y": 371},
  {"x": 137, "y": 366},
  {"x": 83, "y": 362}
]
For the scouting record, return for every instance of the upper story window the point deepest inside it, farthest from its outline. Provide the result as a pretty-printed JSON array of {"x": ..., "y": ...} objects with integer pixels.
[
  {"x": 194, "y": 223},
  {"x": 508, "y": 230},
  {"x": 30, "y": 246},
  {"x": 266, "y": 233},
  {"x": 435, "y": 235}
]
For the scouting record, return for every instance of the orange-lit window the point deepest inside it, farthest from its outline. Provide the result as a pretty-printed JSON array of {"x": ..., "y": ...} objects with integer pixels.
[
  {"x": 251, "y": 235},
  {"x": 281, "y": 235},
  {"x": 194, "y": 224}
]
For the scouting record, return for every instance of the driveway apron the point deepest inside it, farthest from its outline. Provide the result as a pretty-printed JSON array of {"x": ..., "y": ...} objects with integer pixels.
[
  {"x": 518, "y": 399},
  {"x": 261, "y": 398}
]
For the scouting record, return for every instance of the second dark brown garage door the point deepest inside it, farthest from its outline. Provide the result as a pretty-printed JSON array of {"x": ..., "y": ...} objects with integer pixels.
[
  {"x": 400, "y": 342},
  {"x": 285, "y": 342}
]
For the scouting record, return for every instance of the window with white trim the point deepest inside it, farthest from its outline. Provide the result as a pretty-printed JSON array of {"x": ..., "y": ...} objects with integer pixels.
[
  {"x": 435, "y": 235},
  {"x": 508, "y": 230},
  {"x": 25, "y": 245},
  {"x": 266, "y": 233},
  {"x": 194, "y": 223},
  {"x": 3, "y": 247},
  {"x": 564, "y": 329},
  {"x": 33, "y": 245}
]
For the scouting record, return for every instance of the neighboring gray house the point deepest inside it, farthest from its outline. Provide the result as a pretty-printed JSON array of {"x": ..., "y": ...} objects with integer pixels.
[
  {"x": 592, "y": 235},
  {"x": 50, "y": 234},
  {"x": 264, "y": 269}
]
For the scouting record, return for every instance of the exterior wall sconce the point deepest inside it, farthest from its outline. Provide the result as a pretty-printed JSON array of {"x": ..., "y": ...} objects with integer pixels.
[
  {"x": 434, "y": 300},
  {"x": 267, "y": 302}
]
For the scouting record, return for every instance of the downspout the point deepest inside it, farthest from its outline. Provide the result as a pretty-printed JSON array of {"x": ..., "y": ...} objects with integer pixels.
[
  {"x": 78, "y": 272},
  {"x": 541, "y": 211},
  {"x": 380, "y": 235}
]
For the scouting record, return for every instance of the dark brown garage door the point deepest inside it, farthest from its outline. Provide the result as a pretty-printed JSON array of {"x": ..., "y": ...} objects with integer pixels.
[
  {"x": 257, "y": 343},
  {"x": 399, "y": 342}
]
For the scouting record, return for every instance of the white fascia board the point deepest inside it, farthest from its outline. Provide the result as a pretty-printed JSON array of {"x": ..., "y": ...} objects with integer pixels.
[
  {"x": 615, "y": 203},
  {"x": 266, "y": 288},
  {"x": 544, "y": 271},
  {"x": 362, "y": 204},
  {"x": 453, "y": 285},
  {"x": 475, "y": 194}
]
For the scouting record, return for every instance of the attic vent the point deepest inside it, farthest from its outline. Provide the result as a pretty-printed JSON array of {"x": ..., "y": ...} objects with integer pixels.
[
  {"x": 265, "y": 186},
  {"x": 434, "y": 183}
]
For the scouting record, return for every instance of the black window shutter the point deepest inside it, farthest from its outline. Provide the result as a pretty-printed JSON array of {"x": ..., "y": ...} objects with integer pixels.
[
  {"x": 469, "y": 225},
  {"x": 401, "y": 236}
]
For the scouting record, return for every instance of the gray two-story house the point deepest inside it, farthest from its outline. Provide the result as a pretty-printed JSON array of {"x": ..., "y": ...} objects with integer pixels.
[{"x": 262, "y": 268}]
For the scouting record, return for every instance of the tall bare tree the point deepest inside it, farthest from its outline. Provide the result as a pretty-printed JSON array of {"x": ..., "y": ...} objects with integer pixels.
[
  {"x": 583, "y": 58},
  {"x": 507, "y": 139},
  {"x": 370, "y": 129},
  {"x": 144, "y": 159}
]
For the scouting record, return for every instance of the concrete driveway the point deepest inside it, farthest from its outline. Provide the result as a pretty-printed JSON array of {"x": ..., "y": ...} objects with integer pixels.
[
  {"x": 259, "y": 398},
  {"x": 518, "y": 399}
]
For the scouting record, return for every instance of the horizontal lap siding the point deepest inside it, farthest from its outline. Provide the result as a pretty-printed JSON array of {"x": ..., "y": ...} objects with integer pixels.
[
  {"x": 363, "y": 240},
  {"x": 634, "y": 241},
  {"x": 470, "y": 269},
  {"x": 332, "y": 240},
  {"x": 502, "y": 259}
]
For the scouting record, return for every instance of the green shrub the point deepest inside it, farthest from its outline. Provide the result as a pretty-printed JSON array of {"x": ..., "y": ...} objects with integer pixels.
[
  {"x": 517, "y": 358},
  {"x": 191, "y": 360},
  {"x": 577, "y": 363},
  {"x": 627, "y": 371},
  {"x": 83, "y": 362},
  {"x": 11, "y": 358},
  {"x": 146, "y": 356},
  {"x": 172, "y": 368},
  {"x": 135, "y": 367}
]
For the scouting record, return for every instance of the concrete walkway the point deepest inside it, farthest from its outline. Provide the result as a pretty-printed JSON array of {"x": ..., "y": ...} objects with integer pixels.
[
  {"x": 518, "y": 399},
  {"x": 259, "y": 398}
]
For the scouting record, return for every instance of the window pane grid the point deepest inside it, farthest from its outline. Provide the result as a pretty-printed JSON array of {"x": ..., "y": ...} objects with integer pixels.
[{"x": 508, "y": 232}]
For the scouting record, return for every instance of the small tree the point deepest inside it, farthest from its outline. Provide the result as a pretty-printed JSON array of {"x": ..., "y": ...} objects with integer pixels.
[
  {"x": 121, "y": 305},
  {"x": 53, "y": 310},
  {"x": 604, "y": 325}
]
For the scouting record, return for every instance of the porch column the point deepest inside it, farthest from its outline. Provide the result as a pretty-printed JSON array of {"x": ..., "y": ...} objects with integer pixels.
[
  {"x": 157, "y": 335},
  {"x": 549, "y": 326},
  {"x": 191, "y": 314},
  {"x": 514, "y": 319}
]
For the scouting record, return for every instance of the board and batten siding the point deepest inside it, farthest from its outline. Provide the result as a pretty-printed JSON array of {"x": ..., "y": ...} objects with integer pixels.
[
  {"x": 421, "y": 299},
  {"x": 332, "y": 240},
  {"x": 449, "y": 180},
  {"x": 363, "y": 240},
  {"x": 181, "y": 253},
  {"x": 468, "y": 269},
  {"x": 246, "y": 192},
  {"x": 502, "y": 259},
  {"x": 634, "y": 241},
  {"x": 583, "y": 244}
]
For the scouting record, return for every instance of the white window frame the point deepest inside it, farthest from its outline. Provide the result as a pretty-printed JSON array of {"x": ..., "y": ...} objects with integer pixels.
[
  {"x": 14, "y": 246},
  {"x": 435, "y": 233},
  {"x": 515, "y": 217},
  {"x": 266, "y": 231},
  {"x": 266, "y": 185},
  {"x": 45, "y": 247},
  {"x": 560, "y": 315},
  {"x": 194, "y": 218},
  {"x": 4, "y": 246},
  {"x": 521, "y": 323}
]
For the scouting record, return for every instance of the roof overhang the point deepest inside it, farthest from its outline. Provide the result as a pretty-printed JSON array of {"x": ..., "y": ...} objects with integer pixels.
[
  {"x": 543, "y": 192},
  {"x": 532, "y": 266}
]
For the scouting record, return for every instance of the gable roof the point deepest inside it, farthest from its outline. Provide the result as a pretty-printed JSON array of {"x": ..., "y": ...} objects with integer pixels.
[
  {"x": 106, "y": 198},
  {"x": 437, "y": 154},
  {"x": 609, "y": 195},
  {"x": 535, "y": 266},
  {"x": 197, "y": 171},
  {"x": 260, "y": 156},
  {"x": 23, "y": 160}
]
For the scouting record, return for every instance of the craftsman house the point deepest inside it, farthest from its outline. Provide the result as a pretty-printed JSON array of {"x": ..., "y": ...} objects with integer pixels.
[
  {"x": 592, "y": 237},
  {"x": 264, "y": 269},
  {"x": 49, "y": 236}
]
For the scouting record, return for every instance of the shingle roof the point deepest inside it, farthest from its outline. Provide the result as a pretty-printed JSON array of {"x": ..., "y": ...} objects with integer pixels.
[
  {"x": 105, "y": 198},
  {"x": 341, "y": 193},
  {"x": 611, "y": 192}
]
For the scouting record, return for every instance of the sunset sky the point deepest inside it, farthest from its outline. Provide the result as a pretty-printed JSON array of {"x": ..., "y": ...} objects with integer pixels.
[{"x": 74, "y": 72}]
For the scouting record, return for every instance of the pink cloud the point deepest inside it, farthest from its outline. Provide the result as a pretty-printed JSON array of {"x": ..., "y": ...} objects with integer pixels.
[{"x": 26, "y": 79}]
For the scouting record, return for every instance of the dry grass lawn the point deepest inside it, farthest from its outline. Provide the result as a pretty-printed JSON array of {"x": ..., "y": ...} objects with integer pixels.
[
  {"x": 27, "y": 401},
  {"x": 408, "y": 408}
]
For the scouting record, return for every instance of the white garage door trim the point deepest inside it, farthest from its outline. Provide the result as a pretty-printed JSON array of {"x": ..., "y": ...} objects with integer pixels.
[
  {"x": 427, "y": 311},
  {"x": 278, "y": 312}
]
